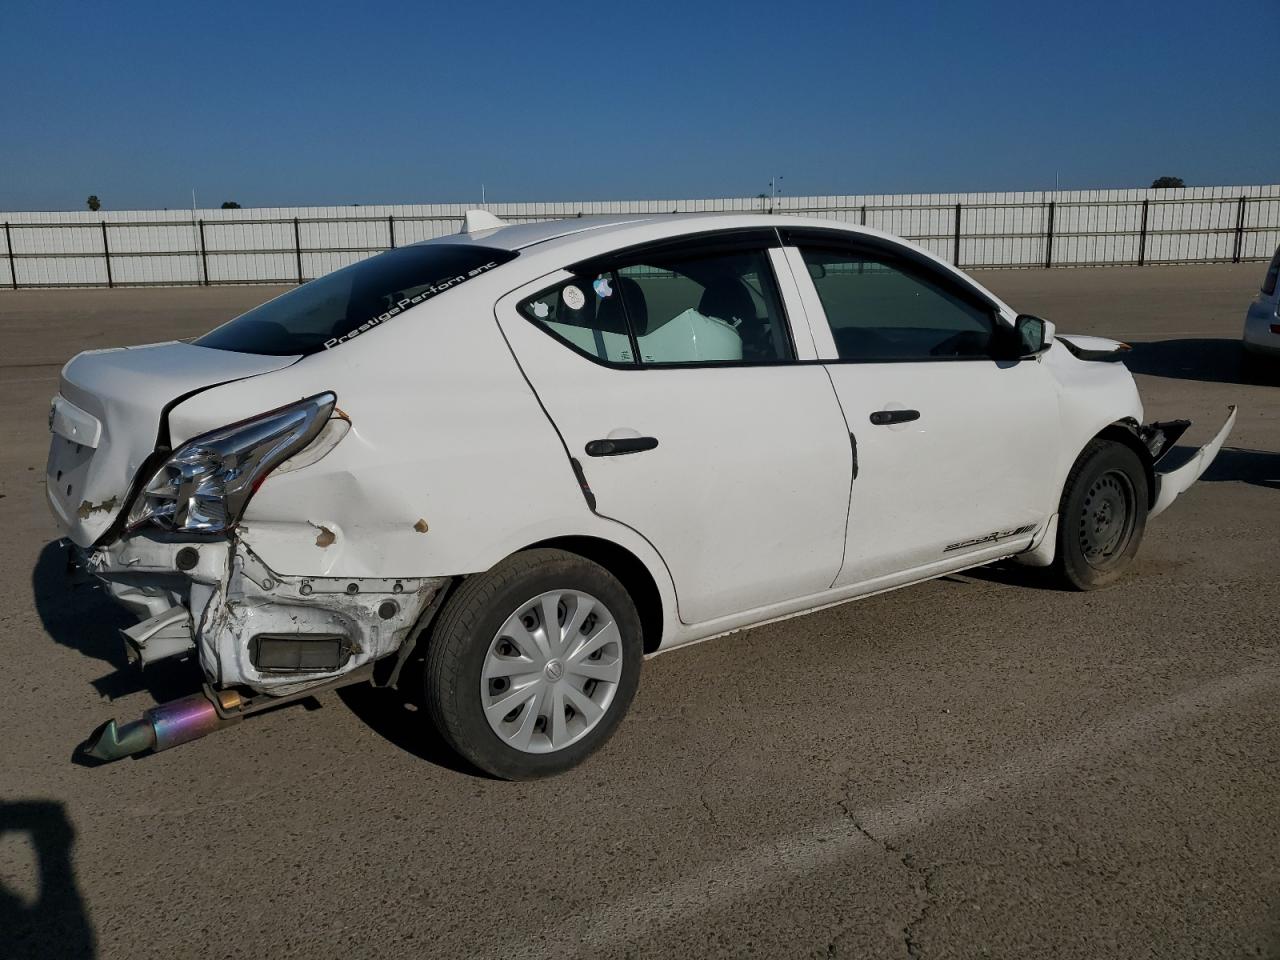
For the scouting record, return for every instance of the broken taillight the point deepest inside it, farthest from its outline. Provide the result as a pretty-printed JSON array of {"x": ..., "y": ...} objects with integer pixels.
[{"x": 204, "y": 486}]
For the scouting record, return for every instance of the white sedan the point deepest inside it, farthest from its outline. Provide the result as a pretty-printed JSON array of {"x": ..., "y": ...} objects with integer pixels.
[
  {"x": 540, "y": 452},
  {"x": 1262, "y": 323}
]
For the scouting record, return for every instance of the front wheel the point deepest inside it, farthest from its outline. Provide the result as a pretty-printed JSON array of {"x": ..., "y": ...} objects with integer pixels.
[
  {"x": 1102, "y": 516},
  {"x": 533, "y": 664}
]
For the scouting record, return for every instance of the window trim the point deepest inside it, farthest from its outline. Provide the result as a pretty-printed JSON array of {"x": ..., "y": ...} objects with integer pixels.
[
  {"x": 891, "y": 254},
  {"x": 706, "y": 244}
]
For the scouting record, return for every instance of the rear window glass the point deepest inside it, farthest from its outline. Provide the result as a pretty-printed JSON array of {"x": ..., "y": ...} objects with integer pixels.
[
  {"x": 333, "y": 309},
  {"x": 1273, "y": 271}
]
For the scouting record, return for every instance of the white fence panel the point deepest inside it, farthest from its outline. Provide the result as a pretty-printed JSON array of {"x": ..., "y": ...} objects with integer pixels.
[{"x": 1067, "y": 228}]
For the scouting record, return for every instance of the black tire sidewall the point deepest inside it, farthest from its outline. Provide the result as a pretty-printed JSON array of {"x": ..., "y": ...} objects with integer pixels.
[
  {"x": 457, "y": 706},
  {"x": 1099, "y": 458}
]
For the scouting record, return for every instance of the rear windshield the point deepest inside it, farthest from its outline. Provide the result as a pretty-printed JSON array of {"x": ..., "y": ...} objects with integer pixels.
[
  {"x": 330, "y": 310},
  {"x": 1273, "y": 272}
]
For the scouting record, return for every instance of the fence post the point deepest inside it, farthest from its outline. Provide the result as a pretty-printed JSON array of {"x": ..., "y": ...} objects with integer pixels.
[
  {"x": 13, "y": 261},
  {"x": 297, "y": 247},
  {"x": 106, "y": 253},
  {"x": 204, "y": 255},
  {"x": 1142, "y": 236},
  {"x": 391, "y": 230},
  {"x": 1048, "y": 239},
  {"x": 955, "y": 256},
  {"x": 1238, "y": 249}
]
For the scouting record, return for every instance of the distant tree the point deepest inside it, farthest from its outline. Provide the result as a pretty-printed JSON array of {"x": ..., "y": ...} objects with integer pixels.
[
  {"x": 94, "y": 203},
  {"x": 230, "y": 205},
  {"x": 1167, "y": 182}
]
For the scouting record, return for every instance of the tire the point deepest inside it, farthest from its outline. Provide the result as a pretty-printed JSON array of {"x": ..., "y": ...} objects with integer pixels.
[
  {"x": 490, "y": 651},
  {"x": 1101, "y": 517}
]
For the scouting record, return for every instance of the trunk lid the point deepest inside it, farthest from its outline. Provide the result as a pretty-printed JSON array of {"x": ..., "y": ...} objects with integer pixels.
[{"x": 108, "y": 415}]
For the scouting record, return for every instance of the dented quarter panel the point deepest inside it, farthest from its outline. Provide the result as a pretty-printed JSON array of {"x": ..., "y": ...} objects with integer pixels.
[{"x": 449, "y": 464}]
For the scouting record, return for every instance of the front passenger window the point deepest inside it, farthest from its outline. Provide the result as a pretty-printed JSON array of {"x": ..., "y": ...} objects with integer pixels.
[{"x": 883, "y": 309}]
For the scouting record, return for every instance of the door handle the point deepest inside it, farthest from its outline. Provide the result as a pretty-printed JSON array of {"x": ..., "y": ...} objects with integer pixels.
[
  {"x": 882, "y": 418},
  {"x": 619, "y": 446}
]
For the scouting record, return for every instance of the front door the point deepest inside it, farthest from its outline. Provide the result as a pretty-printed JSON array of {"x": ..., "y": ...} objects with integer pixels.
[
  {"x": 956, "y": 451},
  {"x": 672, "y": 378}
]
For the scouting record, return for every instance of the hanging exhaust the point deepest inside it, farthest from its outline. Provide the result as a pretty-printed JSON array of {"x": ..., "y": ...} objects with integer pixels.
[
  {"x": 162, "y": 727},
  {"x": 197, "y": 715}
]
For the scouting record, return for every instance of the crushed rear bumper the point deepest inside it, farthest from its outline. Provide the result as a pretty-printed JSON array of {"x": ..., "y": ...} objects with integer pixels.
[{"x": 250, "y": 625}]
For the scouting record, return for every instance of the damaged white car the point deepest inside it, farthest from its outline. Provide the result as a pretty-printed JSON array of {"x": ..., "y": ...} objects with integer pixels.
[{"x": 540, "y": 452}]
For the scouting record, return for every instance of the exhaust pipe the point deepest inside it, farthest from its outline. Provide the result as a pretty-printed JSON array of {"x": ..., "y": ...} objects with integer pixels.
[
  {"x": 194, "y": 716},
  {"x": 160, "y": 728}
]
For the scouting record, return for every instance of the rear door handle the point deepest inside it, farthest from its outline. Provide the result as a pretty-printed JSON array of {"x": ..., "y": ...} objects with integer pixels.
[
  {"x": 621, "y": 445},
  {"x": 882, "y": 418}
]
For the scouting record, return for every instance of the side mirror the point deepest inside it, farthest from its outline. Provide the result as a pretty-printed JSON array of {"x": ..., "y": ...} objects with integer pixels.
[{"x": 1033, "y": 335}]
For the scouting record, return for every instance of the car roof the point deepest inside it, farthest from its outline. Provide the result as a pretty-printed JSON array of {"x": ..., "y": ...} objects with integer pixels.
[
  {"x": 557, "y": 242},
  {"x": 552, "y": 233},
  {"x": 517, "y": 236}
]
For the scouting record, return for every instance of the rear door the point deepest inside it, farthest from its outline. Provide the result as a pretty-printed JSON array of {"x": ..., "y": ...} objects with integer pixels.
[
  {"x": 956, "y": 450},
  {"x": 671, "y": 373}
]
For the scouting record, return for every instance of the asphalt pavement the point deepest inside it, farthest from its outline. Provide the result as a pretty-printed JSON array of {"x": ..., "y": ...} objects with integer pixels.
[{"x": 976, "y": 766}]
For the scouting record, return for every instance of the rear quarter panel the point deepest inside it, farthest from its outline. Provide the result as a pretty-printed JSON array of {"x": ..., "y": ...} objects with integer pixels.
[{"x": 450, "y": 464}]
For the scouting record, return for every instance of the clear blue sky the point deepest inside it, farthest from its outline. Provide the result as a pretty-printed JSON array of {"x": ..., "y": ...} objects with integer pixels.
[{"x": 312, "y": 103}]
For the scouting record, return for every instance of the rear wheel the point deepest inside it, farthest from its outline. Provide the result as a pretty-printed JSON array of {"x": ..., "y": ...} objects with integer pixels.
[
  {"x": 533, "y": 664},
  {"x": 1102, "y": 516}
]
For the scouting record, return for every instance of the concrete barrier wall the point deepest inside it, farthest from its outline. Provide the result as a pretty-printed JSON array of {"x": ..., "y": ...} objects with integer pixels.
[{"x": 286, "y": 244}]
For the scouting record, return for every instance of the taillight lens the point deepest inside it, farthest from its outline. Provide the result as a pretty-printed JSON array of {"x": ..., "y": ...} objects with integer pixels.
[{"x": 204, "y": 486}]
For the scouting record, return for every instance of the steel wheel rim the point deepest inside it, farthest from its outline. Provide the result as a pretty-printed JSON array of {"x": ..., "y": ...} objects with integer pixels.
[
  {"x": 1107, "y": 518},
  {"x": 551, "y": 671}
]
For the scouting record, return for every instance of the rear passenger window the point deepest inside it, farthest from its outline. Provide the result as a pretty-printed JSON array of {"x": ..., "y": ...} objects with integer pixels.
[
  {"x": 716, "y": 309},
  {"x": 881, "y": 309},
  {"x": 671, "y": 309},
  {"x": 587, "y": 314}
]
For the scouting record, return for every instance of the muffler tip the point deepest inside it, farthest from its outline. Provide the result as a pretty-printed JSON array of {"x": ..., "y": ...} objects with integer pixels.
[
  {"x": 110, "y": 742},
  {"x": 160, "y": 728}
]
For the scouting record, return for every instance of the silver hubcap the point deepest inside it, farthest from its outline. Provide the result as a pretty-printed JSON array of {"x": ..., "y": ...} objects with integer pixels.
[{"x": 551, "y": 671}]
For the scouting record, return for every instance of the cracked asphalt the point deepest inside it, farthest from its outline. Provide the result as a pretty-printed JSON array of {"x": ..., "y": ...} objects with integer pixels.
[{"x": 976, "y": 766}]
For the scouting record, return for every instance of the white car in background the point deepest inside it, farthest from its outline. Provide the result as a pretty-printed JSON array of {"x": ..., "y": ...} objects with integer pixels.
[
  {"x": 540, "y": 452},
  {"x": 1262, "y": 323}
]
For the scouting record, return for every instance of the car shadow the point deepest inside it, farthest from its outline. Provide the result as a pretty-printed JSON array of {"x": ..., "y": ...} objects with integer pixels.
[
  {"x": 1258, "y": 467},
  {"x": 1011, "y": 574},
  {"x": 1214, "y": 360},
  {"x": 400, "y": 716},
  {"x": 55, "y": 925},
  {"x": 80, "y": 616}
]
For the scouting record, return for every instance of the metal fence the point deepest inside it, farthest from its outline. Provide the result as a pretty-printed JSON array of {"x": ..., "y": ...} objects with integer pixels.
[{"x": 1081, "y": 228}]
